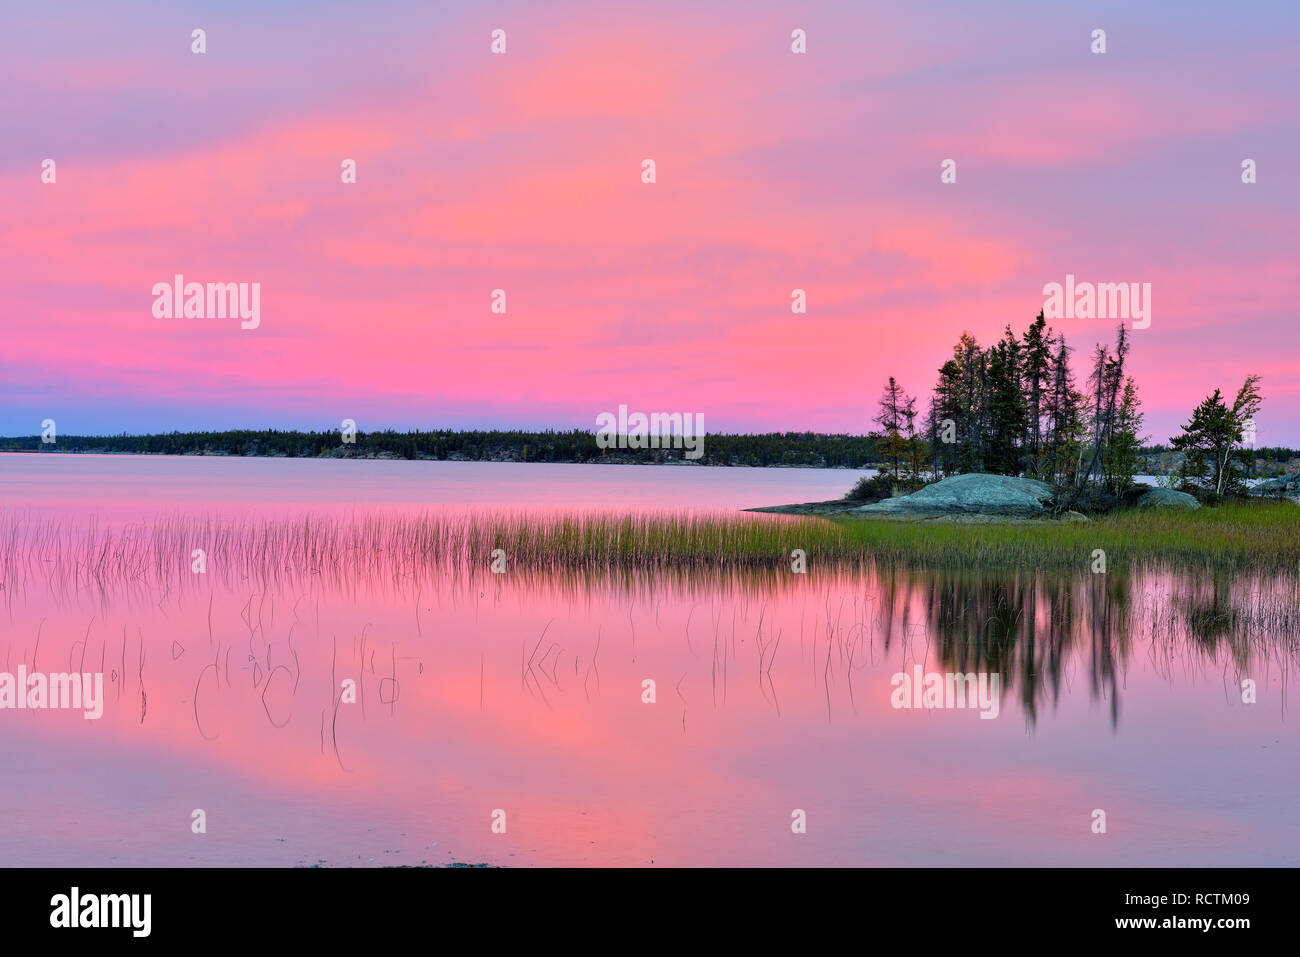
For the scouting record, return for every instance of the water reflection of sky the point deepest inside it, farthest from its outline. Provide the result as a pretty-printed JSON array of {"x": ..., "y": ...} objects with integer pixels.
[
  {"x": 489, "y": 714},
  {"x": 131, "y": 487},
  {"x": 524, "y": 693}
]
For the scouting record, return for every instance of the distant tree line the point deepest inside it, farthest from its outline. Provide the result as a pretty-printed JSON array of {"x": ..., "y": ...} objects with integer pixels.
[
  {"x": 1011, "y": 408},
  {"x": 768, "y": 449}
]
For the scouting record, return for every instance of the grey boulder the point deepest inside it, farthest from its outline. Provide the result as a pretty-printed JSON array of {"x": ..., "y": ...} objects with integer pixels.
[
  {"x": 1167, "y": 498},
  {"x": 972, "y": 494}
]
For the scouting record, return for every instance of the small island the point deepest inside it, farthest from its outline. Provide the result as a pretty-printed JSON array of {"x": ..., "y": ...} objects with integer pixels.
[
  {"x": 1009, "y": 436},
  {"x": 1009, "y": 441}
]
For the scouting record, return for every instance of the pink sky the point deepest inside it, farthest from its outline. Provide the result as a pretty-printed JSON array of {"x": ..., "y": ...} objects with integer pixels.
[{"x": 521, "y": 172}]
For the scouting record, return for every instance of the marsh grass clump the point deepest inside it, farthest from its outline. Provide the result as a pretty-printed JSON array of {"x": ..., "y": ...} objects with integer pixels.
[
  {"x": 1236, "y": 536},
  {"x": 1243, "y": 537}
]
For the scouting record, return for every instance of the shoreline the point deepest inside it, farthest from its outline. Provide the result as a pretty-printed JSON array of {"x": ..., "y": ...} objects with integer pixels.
[
  {"x": 839, "y": 508},
  {"x": 836, "y": 506}
]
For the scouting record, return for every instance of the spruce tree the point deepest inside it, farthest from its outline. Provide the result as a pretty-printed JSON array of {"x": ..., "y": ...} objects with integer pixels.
[
  {"x": 1007, "y": 416},
  {"x": 1037, "y": 377}
]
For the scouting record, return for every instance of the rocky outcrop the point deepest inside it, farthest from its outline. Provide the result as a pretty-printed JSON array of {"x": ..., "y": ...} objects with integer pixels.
[
  {"x": 1282, "y": 485},
  {"x": 1285, "y": 487},
  {"x": 972, "y": 494},
  {"x": 1167, "y": 498}
]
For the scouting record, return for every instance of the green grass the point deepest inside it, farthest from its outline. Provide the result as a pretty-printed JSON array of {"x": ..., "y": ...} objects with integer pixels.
[
  {"x": 1264, "y": 535},
  {"x": 1255, "y": 535},
  {"x": 1248, "y": 536}
]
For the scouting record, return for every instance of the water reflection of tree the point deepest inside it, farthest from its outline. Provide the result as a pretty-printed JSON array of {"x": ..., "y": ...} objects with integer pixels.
[{"x": 1024, "y": 628}]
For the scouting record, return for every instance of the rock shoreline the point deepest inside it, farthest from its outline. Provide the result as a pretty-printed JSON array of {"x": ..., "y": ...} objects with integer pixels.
[{"x": 976, "y": 498}]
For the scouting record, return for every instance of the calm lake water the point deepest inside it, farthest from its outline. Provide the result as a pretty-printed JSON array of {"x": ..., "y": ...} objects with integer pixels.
[{"x": 524, "y": 693}]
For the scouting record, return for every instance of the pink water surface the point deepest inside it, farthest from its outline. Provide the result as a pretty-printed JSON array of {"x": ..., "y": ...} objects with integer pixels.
[
  {"x": 131, "y": 487},
  {"x": 524, "y": 693}
]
